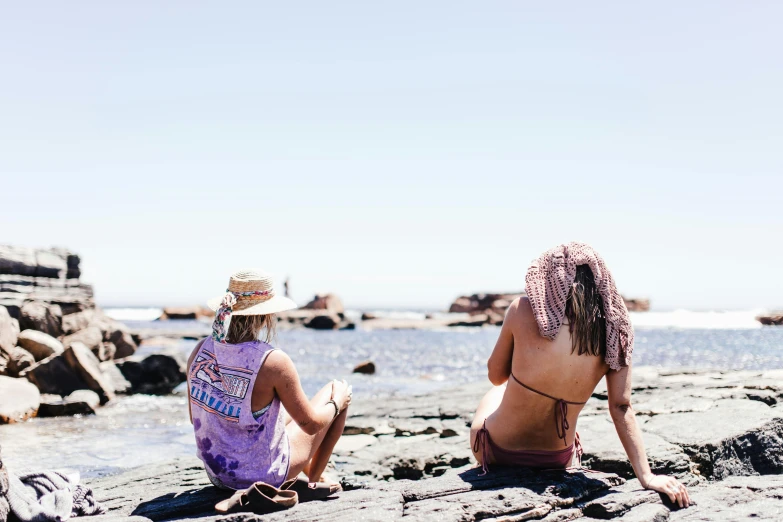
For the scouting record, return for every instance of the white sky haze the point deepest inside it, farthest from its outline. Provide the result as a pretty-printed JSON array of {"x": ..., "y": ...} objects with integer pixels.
[{"x": 397, "y": 153}]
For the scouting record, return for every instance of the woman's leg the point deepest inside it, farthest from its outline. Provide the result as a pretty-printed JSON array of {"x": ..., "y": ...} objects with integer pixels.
[
  {"x": 488, "y": 405},
  {"x": 310, "y": 453}
]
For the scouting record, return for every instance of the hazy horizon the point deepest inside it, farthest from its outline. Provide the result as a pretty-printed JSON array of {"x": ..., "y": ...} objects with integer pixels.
[{"x": 399, "y": 155}]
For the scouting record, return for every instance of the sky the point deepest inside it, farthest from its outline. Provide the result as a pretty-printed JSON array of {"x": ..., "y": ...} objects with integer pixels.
[{"x": 398, "y": 153}]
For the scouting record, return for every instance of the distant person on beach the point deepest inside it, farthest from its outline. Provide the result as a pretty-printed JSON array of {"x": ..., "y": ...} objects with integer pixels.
[
  {"x": 555, "y": 345},
  {"x": 252, "y": 419}
]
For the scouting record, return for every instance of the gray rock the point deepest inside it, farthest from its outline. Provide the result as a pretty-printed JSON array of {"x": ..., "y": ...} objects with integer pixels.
[
  {"x": 745, "y": 498},
  {"x": 156, "y": 374},
  {"x": 75, "y": 322},
  {"x": 41, "y": 316},
  {"x": 116, "y": 380},
  {"x": 323, "y": 322},
  {"x": 91, "y": 337},
  {"x": 19, "y": 400},
  {"x": 366, "y": 367},
  {"x": 80, "y": 402},
  {"x": 54, "y": 375},
  {"x": 105, "y": 352},
  {"x": 87, "y": 367},
  {"x": 123, "y": 341},
  {"x": 603, "y": 450},
  {"x": 19, "y": 360},
  {"x": 749, "y": 444},
  {"x": 9, "y": 330},
  {"x": 40, "y": 344}
]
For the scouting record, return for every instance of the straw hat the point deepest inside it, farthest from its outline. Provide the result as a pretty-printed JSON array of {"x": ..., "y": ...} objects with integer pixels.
[{"x": 265, "y": 302}]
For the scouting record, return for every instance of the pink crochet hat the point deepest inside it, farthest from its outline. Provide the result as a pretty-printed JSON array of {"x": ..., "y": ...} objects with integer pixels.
[{"x": 548, "y": 282}]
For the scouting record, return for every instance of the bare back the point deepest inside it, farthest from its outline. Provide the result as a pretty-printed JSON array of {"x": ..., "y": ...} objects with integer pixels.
[{"x": 525, "y": 419}]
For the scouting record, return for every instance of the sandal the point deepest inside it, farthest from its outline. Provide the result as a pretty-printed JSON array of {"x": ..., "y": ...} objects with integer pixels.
[
  {"x": 260, "y": 498},
  {"x": 308, "y": 491}
]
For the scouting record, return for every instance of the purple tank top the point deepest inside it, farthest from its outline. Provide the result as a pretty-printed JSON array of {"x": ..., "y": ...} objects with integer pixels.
[{"x": 236, "y": 448}]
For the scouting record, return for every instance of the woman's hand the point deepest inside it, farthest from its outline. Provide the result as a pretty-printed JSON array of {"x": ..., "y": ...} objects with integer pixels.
[
  {"x": 670, "y": 487},
  {"x": 342, "y": 394}
]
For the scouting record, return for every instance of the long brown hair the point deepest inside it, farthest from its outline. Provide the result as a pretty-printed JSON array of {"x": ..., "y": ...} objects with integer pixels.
[
  {"x": 246, "y": 328},
  {"x": 585, "y": 312}
]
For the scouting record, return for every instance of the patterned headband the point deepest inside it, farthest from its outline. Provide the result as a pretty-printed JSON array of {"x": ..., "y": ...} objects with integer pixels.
[{"x": 223, "y": 314}]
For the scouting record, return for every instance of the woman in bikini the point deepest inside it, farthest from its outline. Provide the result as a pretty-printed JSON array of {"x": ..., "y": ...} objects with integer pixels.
[
  {"x": 555, "y": 345},
  {"x": 252, "y": 419}
]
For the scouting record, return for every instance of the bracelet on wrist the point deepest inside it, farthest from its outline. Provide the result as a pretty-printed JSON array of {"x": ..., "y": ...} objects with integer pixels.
[{"x": 336, "y": 408}]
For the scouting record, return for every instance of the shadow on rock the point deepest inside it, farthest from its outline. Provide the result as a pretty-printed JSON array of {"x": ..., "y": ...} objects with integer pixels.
[{"x": 199, "y": 501}]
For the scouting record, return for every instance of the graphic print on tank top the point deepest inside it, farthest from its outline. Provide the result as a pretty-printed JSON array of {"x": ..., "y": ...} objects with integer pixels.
[{"x": 207, "y": 378}]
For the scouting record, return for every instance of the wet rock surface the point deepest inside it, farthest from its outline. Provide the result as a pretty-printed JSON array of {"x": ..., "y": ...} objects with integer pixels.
[{"x": 408, "y": 457}]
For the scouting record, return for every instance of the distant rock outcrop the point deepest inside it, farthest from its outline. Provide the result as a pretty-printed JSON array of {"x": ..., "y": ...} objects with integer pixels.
[
  {"x": 329, "y": 302},
  {"x": 489, "y": 308},
  {"x": 773, "y": 319},
  {"x": 637, "y": 305},
  {"x": 186, "y": 312}
]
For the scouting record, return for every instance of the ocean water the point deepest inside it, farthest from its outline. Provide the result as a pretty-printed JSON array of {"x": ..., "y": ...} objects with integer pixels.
[{"x": 142, "y": 429}]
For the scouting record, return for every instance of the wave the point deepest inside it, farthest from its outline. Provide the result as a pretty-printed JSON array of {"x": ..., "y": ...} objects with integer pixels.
[
  {"x": 133, "y": 314},
  {"x": 730, "y": 320}
]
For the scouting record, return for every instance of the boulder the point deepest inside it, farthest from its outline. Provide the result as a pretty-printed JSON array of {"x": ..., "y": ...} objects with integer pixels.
[
  {"x": 124, "y": 343},
  {"x": 19, "y": 400},
  {"x": 87, "y": 367},
  {"x": 368, "y": 316},
  {"x": 156, "y": 374},
  {"x": 366, "y": 367},
  {"x": 19, "y": 360},
  {"x": 40, "y": 344},
  {"x": 115, "y": 378},
  {"x": 323, "y": 322},
  {"x": 328, "y": 302},
  {"x": 41, "y": 316},
  {"x": 80, "y": 402},
  {"x": 91, "y": 337},
  {"x": 105, "y": 352},
  {"x": 637, "y": 305},
  {"x": 54, "y": 375},
  {"x": 74, "y": 322},
  {"x": 9, "y": 330}
]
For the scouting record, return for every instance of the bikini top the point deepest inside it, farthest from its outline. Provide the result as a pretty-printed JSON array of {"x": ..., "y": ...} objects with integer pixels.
[{"x": 561, "y": 410}]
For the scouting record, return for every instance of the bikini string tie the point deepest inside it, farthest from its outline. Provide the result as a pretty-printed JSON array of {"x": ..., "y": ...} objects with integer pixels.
[
  {"x": 482, "y": 444},
  {"x": 561, "y": 424}
]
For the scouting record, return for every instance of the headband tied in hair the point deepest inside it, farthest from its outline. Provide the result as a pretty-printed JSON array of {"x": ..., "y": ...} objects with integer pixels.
[{"x": 223, "y": 313}]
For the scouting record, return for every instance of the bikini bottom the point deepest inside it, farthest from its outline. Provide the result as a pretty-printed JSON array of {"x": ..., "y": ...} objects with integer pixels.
[{"x": 539, "y": 459}]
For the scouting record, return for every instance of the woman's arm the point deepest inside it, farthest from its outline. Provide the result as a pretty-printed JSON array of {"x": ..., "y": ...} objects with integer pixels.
[
  {"x": 311, "y": 419},
  {"x": 618, "y": 384},
  {"x": 499, "y": 363}
]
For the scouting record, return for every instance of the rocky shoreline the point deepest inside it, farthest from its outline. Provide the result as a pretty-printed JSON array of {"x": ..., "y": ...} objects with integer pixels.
[
  {"x": 719, "y": 432},
  {"x": 59, "y": 353}
]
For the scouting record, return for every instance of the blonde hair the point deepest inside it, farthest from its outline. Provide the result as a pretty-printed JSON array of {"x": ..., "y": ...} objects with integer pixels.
[{"x": 246, "y": 328}]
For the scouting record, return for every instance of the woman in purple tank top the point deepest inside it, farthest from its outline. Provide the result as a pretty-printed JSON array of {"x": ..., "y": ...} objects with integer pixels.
[{"x": 252, "y": 419}]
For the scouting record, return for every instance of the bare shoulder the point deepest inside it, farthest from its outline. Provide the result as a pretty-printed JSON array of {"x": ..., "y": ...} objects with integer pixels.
[
  {"x": 195, "y": 351},
  {"x": 278, "y": 361},
  {"x": 521, "y": 313}
]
